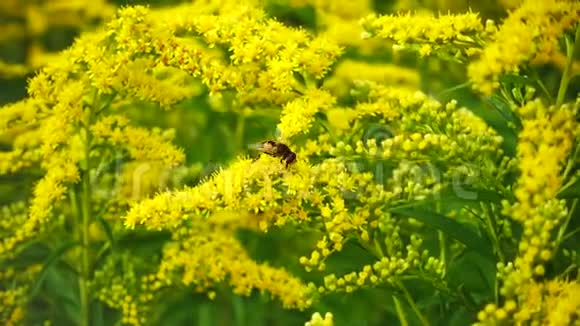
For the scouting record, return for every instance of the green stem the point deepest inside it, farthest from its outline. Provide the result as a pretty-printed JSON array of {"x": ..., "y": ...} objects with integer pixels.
[
  {"x": 542, "y": 86},
  {"x": 400, "y": 312},
  {"x": 571, "y": 162},
  {"x": 562, "y": 230},
  {"x": 442, "y": 244},
  {"x": 492, "y": 232},
  {"x": 85, "y": 241},
  {"x": 85, "y": 221},
  {"x": 442, "y": 249},
  {"x": 570, "y": 234},
  {"x": 378, "y": 247},
  {"x": 412, "y": 303},
  {"x": 567, "y": 185},
  {"x": 567, "y": 74}
]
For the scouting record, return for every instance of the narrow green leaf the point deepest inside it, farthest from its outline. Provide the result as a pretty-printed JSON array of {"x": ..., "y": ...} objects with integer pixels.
[
  {"x": 452, "y": 228},
  {"x": 455, "y": 88},
  {"x": 50, "y": 260},
  {"x": 466, "y": 297},
  {"x": 108, "y": 232},
  {"x": 517, "y": 80},
  {"x": 570, "y": 191},
  {"x": 504, "y": 109}
]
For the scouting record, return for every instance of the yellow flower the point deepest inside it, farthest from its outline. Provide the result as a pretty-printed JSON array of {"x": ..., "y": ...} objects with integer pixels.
[
  {"x": 142, "y": 144},
  {"x": 450, "y": 36},
  {"x": 545, "y": 143},
  {"x": 317, "y": 320},
  {"x": 218, "y": 257},
  {"x": 529, "y": 34},
  {"x": 298, "y": 115}
]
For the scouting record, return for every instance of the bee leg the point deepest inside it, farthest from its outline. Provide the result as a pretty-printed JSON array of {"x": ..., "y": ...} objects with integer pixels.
[
  {"x": 256, "y": 158},
  {"x": 290, "y": 158}
]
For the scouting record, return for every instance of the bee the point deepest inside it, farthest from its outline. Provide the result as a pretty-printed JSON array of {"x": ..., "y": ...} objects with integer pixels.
[{"x": 277, "y": 149}]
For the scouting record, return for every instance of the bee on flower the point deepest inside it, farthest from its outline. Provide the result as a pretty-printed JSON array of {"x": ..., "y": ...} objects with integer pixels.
[{"x": 277, "y": 149}]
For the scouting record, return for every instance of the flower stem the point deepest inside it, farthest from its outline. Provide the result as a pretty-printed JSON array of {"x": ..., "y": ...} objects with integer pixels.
[
  {"x": 564, "y": 226},
  {"x": 442, "y": 248},
  {"x": 487, "y": 213},
  {"x": 567, "y": 74},
  {"x": 400, "y": 312},
  {"x": 85, "y": 259},
  {"x": 412, "y": 303},
  {"x": 85, "y": 222}
]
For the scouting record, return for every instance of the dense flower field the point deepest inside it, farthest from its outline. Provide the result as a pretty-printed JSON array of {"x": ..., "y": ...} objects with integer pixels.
[{"x": 436, "y": 177}]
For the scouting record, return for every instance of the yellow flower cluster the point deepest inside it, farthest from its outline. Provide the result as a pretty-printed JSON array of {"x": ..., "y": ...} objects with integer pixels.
[
  {"x": 11, "y": 299},
  {"x": 530, "y": 34},
  {"x": 142, "y": 144},
  {"x": 207, "y": 254},
  {"x": 323, "y": 195},
  {"x": 14, "y": 286},
  {"x": 124, "y": 291},
  {"x": 387, "y": 269},
  {"x": 262, "y": 59},
  {"x": 298, "y": 115},
  {"x": 317, "y": 320},
  {"x": 246, "y": 185},
  {"x": 449, "y": 36},
  {"x": 24, "y": 152},
  {"x": 61, "y": 170},
  {"x": 418, "y": 128},
  {"x": 60, "y": 125},
  {"x": 348, "y": 72},
  {"x": 554, "y": 302},
  {"x": 545, "y": 142}
]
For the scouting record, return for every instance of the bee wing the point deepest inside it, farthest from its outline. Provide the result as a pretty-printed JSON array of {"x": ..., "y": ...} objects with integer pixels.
[{"x": 256, "y": 146}]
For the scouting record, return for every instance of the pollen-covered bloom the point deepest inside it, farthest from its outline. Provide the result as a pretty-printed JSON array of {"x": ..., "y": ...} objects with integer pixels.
[
  {"x": 449, "y": 36},
  {"x": 552, "y": 302},
  {"x": 208, "y": 253},
  {"x": 416, "y": 127},
  {"x": 298, "y": 115},
  {"x": 262, "y": 54},
  {"x": 142, "y": 144},
  {"x": 545, "y": 143},
  {"x": 530, "y": 34}
]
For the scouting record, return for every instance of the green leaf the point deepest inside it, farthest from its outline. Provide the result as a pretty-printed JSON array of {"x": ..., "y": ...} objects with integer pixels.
[
  {"x": 49, "y": 262},
  {"x": 570, "y": 191},
  {"x": 452, "y": 228},
  {"x": 516, "y": 80},
  {"x": 504, "y": 109},
  {"x": 466, "y": 297},
  {"x": 108, "y": 232}
]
